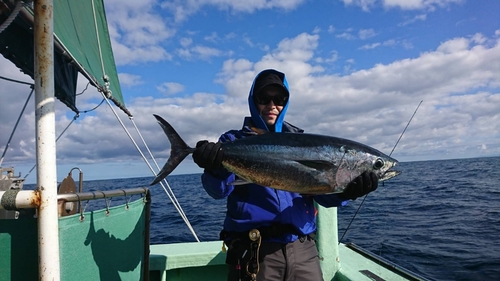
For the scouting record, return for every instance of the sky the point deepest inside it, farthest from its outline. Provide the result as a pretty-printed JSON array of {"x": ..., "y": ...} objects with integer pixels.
[{"x": 357, "y": 69}]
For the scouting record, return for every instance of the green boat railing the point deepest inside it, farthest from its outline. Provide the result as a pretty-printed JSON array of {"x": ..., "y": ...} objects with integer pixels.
[{"x": 107, "y": 244}]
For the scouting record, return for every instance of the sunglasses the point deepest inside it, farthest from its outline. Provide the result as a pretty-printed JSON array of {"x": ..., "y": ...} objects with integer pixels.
[{"x": 279, "y": 100}]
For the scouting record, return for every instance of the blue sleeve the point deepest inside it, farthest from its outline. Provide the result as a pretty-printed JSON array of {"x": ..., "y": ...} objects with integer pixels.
[
  {"x": 216, "y": 183},
  {"x": 330, "y": 200}
]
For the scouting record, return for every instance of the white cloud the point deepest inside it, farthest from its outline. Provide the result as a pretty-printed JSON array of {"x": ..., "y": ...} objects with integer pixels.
[
  {"x": 334, "y": 56},
  {"x": 201, "y": 52},
  {"x": 370, "y": 46},
  {"x": 455, "y": 45},
  {"x": 478, "y": 38},
  {"x": 371, "y": 100},
  {"x": 213, "y": 37},
  {"x": 346, "y": 35},
  {"x": 137, "y": 31},
  {"x": 129, "y": 80},
  {"x": 185, "y": 42},
  {"x": 184, "y": 9},
  {"x": 390, "y": 42},
  {"x": 366, "y": 33},
  {"x": 125, "y": 55},
  {"x": 458, "y": 82},
  {"x": 170, "y": 88},
  {"x": 419, "y": 4},
  {"x": 421, "y": 17},
  {"x": 362, "y": 34},
  {"x": 366, "y": 5}
]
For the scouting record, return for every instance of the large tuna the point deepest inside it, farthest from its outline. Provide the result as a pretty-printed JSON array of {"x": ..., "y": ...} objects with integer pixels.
[{"x": 303, "y": 163}]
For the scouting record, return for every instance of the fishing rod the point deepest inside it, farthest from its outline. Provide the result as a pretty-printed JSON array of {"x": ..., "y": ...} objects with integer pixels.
[{"x": 364, "y": 198}]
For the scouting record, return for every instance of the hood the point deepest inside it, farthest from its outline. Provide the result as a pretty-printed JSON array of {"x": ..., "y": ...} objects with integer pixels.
[{"x": 256, "y": 118}]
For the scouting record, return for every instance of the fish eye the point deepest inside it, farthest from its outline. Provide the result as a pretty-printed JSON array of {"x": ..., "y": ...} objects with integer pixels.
[{"x": 378, "y": 164}]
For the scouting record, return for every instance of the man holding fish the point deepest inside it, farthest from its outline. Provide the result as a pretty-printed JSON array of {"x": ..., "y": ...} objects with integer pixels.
[{"x": 270, "y": 231}]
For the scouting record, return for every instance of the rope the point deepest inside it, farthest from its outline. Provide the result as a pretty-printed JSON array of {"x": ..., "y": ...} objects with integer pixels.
[
  {"x": 364, "y": 198},
  {"x": 17, "y": 81},
  {"x": 170, "y": 193},
  {"x": 150, "y": 167},
  {"x": 60, "y": 135},
  {"x": 105, "y": 94},
  {"x": 15, "y": 126},
  {"x": 405, "y": 127},
  {"x": 12, "y": 16},
  {"x": 100, "y": 50}
]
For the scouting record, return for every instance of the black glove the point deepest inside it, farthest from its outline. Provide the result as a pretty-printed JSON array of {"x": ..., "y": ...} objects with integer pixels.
[
  {"x": 362, "y": 185},
  {"x": 208, "y": 155}
]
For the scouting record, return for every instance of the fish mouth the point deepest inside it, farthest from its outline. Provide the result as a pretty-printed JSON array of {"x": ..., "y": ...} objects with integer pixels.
[{"x": 389, "y": 175}]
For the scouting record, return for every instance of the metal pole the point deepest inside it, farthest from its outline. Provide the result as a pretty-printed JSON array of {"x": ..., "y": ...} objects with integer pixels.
[{"x": 48, "y": 229}]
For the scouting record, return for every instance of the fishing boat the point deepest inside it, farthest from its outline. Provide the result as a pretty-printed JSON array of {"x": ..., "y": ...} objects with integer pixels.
[{"x": 47, "y": 233}]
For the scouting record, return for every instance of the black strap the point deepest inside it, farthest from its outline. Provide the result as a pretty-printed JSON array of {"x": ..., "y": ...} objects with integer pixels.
[{"x": 267, "y": 232}]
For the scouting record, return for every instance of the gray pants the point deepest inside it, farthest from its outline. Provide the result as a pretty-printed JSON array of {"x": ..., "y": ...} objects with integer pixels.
[{"x": 279, "y": 262}]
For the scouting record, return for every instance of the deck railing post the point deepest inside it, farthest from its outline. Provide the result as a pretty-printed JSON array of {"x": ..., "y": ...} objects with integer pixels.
[{"x": 327, "y": 238}]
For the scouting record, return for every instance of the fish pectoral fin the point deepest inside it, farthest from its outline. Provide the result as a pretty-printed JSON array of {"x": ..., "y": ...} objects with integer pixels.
[
  {"x": 317, "y": 164},
  {"x": 239, "y": 182}
]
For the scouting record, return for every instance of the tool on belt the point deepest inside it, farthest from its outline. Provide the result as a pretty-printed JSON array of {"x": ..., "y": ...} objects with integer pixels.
[{"x": 241, "y": 244}]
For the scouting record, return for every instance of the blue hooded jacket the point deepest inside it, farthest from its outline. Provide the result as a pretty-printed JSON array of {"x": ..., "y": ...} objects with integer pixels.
[{"x": 252, "y": 206}]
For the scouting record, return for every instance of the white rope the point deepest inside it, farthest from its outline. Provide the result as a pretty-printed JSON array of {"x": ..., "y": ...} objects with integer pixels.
[
  {"x": 12, "y": 16},
  {"x": 152, "y": 170},
  {"x": 105, "y": 94},
  {"x": 15, "y": 126},
  {"x": 60, "y": 135},
  {"x": 98, "y": 42},
  {"x": 170, "y": 192}
]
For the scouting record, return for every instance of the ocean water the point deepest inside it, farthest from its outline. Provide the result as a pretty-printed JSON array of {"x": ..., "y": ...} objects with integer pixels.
[{"x": 439, "y": 219}]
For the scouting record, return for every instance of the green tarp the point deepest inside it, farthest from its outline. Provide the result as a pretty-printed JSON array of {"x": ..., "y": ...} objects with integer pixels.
[
  {"x": 82, "y": 39},
  {"x": 104, "y": 246}
]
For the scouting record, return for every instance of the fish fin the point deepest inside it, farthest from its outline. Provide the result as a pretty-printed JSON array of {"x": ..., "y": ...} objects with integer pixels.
[
  {"x": 259, "y": 131},
  {"x": 178, "y": 150},
  {"x": 389, "y": 175},
  {"x": 239, "y": 182},
  {"x": 316, "y": 164}
]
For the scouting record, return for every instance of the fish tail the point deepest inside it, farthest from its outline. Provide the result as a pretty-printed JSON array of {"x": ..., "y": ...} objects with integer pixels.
[{"x": 178, "y": 150}]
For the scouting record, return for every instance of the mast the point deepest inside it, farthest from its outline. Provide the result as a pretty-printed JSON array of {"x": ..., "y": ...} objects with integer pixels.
[{"x": 48, "y": 228}]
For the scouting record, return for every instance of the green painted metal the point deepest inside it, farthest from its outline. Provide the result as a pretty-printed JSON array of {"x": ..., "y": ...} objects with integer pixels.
[
  {"x": 327, "y": 241},
  {"x": 104, "y": 246},
  {"x": 111, "y": 248},
  {"x": 198, "y": 261},
  {"x": 187, "y": 261},
  {"x": 19, "y": 249}
]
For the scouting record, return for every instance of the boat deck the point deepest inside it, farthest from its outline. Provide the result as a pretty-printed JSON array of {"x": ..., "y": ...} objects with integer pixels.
[{"x": 205, "y": 260}]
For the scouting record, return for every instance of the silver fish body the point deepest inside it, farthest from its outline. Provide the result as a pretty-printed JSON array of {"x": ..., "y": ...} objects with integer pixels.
[{"x": 302, "y": 163}]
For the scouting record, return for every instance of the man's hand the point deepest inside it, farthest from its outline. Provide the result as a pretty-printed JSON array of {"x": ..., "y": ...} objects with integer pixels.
[
  {"x": 208, "y": 155},
  {"x": 362, "y": 185}
]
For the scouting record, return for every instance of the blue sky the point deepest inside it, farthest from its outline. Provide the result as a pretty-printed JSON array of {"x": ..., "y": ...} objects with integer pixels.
[{"x": 356, "y": 68}]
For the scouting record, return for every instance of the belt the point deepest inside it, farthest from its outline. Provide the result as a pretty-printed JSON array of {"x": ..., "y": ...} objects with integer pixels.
[{"x": 266, "y": 232}]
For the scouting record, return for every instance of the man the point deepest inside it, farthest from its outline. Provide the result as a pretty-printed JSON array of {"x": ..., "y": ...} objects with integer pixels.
[{"x": 285, "y": 220}]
